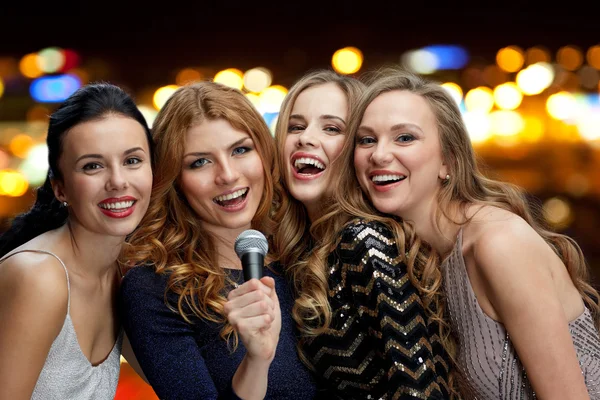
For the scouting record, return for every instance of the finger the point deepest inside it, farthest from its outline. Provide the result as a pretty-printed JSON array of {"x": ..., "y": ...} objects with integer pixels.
[
  {"x": 253, "y": 324},
  {"x": 247, "y": 299},
  {"x": 268, "y": 281},
  {"x": 246, "y": 287},
  {"x": 250, "y": 311}
]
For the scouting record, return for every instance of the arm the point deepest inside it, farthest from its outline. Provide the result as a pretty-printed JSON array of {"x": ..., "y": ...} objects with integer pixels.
[
  {"x": 129, "y": 355},
  {"x": 253, "y": 311},
  {"x": 513, "y": 261},
  {"x": 163, "y": 342},
  {"x": 33, "y": 307},
  {"x": 392, "y": 309}
]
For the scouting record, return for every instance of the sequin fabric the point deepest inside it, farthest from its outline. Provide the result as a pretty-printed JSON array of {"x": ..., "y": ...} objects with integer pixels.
[
  {"x": 486, "y": 357},
  {"x": 380, "y": 344}
]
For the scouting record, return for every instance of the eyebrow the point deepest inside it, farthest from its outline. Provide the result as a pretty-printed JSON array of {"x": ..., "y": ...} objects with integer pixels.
[
  {"x": 325, "y": 116},
  {"x": 230, "y": 147},
  {"x": 99, "y": 156},
  {"x": 397, "y": 127}
]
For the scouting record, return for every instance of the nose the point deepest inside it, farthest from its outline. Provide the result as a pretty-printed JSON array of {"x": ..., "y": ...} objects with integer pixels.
[
  {"x": 227, "y": 173},
  {"x": 117, "y": 180},
  {"x": 381, "y": 155},
  {"x": 308, "y": 138}
]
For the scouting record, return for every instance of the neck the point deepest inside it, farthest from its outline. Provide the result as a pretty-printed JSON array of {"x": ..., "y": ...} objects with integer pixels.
[
  {"x": 89, "y": 253},
  {"x": 224, "y": 243},
  {"x": 433, "y": 227}
]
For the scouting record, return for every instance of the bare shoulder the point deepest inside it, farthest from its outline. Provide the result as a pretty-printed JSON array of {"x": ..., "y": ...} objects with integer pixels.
[{"x": 34, "y": 275}]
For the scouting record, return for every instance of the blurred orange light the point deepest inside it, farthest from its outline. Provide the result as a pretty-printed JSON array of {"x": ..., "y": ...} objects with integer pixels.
[
  {"x": 510, "y": 58},
  {"x": 29, "y": 66},
  {"x": 347, "y": 60},
  {"x": 20, "y": 145},
  {"x": 569, "y": 57},
  {"x": 537, "y": 54},
  {"x": 188, "y": 75},
  {"x": 593, "y": 56}
]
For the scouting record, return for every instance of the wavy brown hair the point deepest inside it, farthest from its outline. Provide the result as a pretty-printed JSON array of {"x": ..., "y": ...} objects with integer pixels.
[
  {"x": 467, "y": 186},
  {"x": 170, "y": 236},
  {"x": 301, "y": 246}
]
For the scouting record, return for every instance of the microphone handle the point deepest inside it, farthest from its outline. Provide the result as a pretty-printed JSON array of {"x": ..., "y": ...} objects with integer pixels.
[{"x": 252, "y": 264}]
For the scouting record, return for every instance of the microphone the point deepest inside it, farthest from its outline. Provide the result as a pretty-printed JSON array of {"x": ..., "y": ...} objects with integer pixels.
[{"x": 251, "y": 247}]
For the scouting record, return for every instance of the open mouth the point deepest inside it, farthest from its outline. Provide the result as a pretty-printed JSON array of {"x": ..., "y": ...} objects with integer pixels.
[
  {"x": 384, "y": 180},
  {"x": 118, "y": 206},
  {"x": 232, "y": 199},
  {"x": 308, "y": 166}
]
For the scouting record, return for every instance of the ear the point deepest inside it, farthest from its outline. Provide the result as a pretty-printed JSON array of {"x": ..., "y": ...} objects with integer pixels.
[
  {"x": 444, "y": 171},
  {"x": 58, "y": 189}
]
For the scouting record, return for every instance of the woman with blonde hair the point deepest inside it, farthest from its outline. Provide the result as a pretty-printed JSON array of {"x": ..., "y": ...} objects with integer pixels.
[
  {"x": 183, "y": 309},
  {"x": 517, "y": 295},
  {"x": 364, "y": 331}
]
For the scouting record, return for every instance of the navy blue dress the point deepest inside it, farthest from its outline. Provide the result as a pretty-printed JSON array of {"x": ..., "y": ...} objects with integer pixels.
[{"x": 190, "y": 361}]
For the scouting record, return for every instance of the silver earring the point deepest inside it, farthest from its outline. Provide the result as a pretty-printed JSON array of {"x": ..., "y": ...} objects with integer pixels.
[
  {"x": 65, "y": 204},
  {"x": 447, "y": 177}
]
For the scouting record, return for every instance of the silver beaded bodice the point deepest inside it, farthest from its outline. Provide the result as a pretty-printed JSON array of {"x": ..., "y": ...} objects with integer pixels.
[{"x": 486, "y": 357}]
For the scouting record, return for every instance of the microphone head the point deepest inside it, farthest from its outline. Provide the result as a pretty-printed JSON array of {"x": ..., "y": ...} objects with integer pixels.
[{"x": 251, "y": 240}]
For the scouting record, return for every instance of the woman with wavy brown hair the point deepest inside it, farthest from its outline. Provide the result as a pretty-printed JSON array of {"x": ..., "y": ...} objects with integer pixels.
[
  {"x": 521, "y": 309},
  {"x": 364, "y": 331},
  {"x": 185, "y": 304}
]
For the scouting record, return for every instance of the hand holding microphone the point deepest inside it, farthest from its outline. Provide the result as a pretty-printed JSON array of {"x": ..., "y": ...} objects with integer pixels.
[{"x": 253, "y": 308}]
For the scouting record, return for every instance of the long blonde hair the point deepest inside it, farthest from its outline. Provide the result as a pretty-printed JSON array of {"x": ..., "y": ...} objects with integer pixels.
[
  {"x": 170, "y": 235},
  {"x": 302, "y": 247},
  {"x": 467, "y": 186}
]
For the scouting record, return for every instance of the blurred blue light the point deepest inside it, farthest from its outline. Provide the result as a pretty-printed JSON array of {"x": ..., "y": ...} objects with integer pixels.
[
  {"x": 269, "y": 117},
  {"x": 449, "y": 56},
  {"x": 54, "y": 89}
]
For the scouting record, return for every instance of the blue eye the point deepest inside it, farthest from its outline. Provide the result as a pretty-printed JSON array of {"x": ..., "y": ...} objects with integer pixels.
[
  {"x": 199, "y": 163},
  {"x": 405, "y": 138},
  {"x": 133, "y": 161},
  {"x": 365, "y": 140},
  {"x": 240, "y": 150}
]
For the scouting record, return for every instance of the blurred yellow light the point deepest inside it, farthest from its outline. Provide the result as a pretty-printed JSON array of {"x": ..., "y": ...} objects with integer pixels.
[
  {"x": 162, "y": 95},
  {"x": 20, "y": 145},
  {"x": 188, "y": 75},
  {"x": 271, "y": 98},
  {"x": 569, "y": 57},
  {"x": 254, "y": 99},
  {"x": 557, "y": 212},
  {"x": 533, "y": 130},
  {"x": 149, "y": 114},
  {"x": 593, "y": 56},
  {"x": 1, "y": 87},
  {"x": 29, "y": 66},
  {"x": 537, "y": 54},
  {"x": 510, "y": 58},
  {"x": 508, "y": 96},
  {"x": 12, "y": 183},
  {"x": 347, "y": 60},
  {"x": 506, "y": 123},
  {"x": 421, "y": 61},
  {"x": 50, "y": 59},
  {"x": 478, "y": 126},
  {"x": 257, "y": 79},
  {"x": 4, "y": 159},
  {"x": 454, "y": 90},
  {"x": 230, "y": 77},
  {"x": 479, "y": 99},
  {"x": 535, "y": 79},
  {"x": 561, "y": 105}
]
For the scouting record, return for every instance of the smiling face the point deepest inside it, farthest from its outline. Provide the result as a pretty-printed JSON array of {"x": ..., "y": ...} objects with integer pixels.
[
  {"x": 315, "y": 137},
  {"x": 398, "y": 156},
  {"x": 106, "y": 175},
  {"x": 222, "y": 176}
]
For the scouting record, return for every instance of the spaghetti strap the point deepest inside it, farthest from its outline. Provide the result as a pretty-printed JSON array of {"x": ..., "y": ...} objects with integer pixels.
[{"x": 61, "y": 263}]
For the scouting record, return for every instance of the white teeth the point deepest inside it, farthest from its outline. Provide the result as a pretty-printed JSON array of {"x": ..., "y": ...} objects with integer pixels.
[
  {"x": 302, "y": 162},
  {"x": 120, "y": 205},
  {"x": 233, "y": 195},
  {"x": 385, "y": 178}
]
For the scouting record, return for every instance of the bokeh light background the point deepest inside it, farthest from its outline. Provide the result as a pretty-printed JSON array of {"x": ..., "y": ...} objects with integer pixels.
[{"x": 527, "y": 82}]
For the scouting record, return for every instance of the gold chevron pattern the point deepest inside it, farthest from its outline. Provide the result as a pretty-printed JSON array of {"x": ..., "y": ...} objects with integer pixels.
[{"x": 381, "y": 344}]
